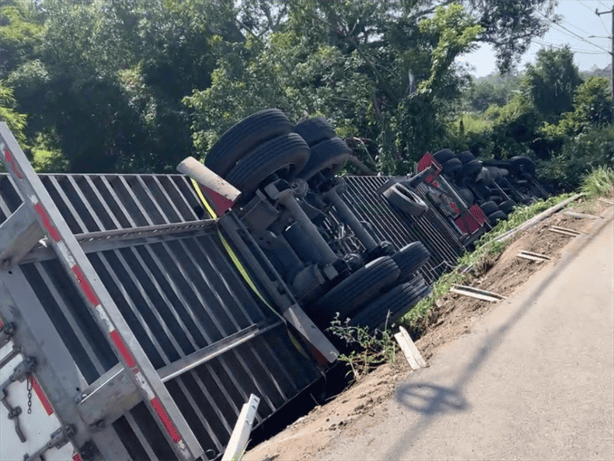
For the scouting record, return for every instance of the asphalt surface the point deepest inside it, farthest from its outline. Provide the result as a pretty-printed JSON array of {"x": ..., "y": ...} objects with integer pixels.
[{"x": 533, "y": 381}]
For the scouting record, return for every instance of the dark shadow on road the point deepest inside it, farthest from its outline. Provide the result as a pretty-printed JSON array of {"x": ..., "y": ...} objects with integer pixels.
[
  {"x": 436, "y": 404},
  {"x": 430, "y": 399}
]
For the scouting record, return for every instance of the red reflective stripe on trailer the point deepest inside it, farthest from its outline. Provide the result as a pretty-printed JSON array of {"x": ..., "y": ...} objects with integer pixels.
[
  {"x": 77, "y": 457},
  {"x": 1, "y": 324},
  {"x": 166, "y": 421},
  {"x": 478, "y": 214},
  {"x": 123, "y": 349},
  {"x": 11, "y": 161},
  {"x": 41, "y": 395},
  {"x": 85, "y": 285},
  {"x": 53, "y": 232}
]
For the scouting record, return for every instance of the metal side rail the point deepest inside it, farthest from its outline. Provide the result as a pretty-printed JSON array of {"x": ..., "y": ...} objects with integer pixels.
[{"x": 106, "y": 313}]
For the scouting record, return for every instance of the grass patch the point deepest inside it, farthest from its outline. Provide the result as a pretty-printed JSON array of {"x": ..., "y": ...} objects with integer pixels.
[
  {"x": 485, "y": 248},
  {"x": 600, "y": 181}
]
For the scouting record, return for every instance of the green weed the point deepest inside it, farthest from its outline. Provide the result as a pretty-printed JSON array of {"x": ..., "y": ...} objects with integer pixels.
[
  {"x": 600, "y": 181},
  {"x": 369, "y": 350}
]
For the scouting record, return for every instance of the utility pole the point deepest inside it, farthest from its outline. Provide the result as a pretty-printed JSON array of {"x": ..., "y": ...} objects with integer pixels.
[{"x": 599, "y": 13}]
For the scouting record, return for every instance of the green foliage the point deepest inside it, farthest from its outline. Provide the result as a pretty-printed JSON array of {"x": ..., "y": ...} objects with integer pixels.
[
  {"x": 509, "y": 26},
  {"x": 563, "y": 124},
  {"x": 107, "y": 78},
  {"x": 500, "y": 132},
  {"x": 21, "y": 30},
  {"x": 495, "y": 89},
  {"x": 46, "y": 157},
  {"x": 599, "y": 182},
  {"x": 456, "y": 34},
  {"x": 115, "y": 84},
  {"x": 592, "y": 107},
  {"x": 368, "y": 350},
  {"x": 14, "y": 120},
  {"x": 579, "y": 154},
  {"x": 582, "y": 139},
  {"x": 322, "y": 61},
  {"x": 550, "y": 83}
]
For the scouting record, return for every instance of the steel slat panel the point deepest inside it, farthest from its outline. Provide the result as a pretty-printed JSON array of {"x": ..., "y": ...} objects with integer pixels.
[
  {"x": 190, "y": 271},
  {"x": 69, "y": 214},
  {"x": 92, "y": 196},
  {"x": 74, "y": 194},
  {"x": 119, "y": 214},
  {"x": 147, "y": 200},
  {"x": 268, "y": 366},
  {"x": 91, "y": 363},
  {"x": 11, "y": 198},
  {"x": 135, "y": 213},
  {"x": 162, "y": 199}
]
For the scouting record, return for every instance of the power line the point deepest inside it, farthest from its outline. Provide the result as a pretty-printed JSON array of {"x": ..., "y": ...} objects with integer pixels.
[
  {"x": 572, "y": 25},
  {"x": 588, "y": 8},
  {"x": 600, "y": 20},
  {"x": 574, "y": 34},
  {"x": 554, "y": 45}
]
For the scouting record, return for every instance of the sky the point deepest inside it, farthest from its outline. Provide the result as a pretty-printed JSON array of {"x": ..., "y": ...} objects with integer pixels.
[{"x": 578, "y": 18}]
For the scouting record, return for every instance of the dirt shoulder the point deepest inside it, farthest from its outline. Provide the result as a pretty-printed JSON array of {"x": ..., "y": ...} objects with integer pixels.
[{"x": 363, "y": 404}]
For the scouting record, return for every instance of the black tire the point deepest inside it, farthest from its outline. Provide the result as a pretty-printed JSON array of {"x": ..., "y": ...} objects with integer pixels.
[
  {"x": 497, "y": 216},
  {"x": 466, "y": 195},
  {"x": 405, "y": 200},
  {"x": 507, "y": 206},
  {"x": 452, "y": 167},
  {"x": 315, "y": 130},
  {"x": 465, "y": 157},
  {"x": 443, "y": 156},
  {"x": 329, "y": 155},
  {"x": 286, "y": 155},
  {"x": 521, "y": 165},
  {"x": 495, "y": 198},
  {"x": 399, "y": 300},
  {"x": 245, "y": 136},
  {"x": 357, "y": 290},
  {"x": 489, "y": 207},
  {"x": 471, "y": 169},
  {"x": 410, "y": 259}
]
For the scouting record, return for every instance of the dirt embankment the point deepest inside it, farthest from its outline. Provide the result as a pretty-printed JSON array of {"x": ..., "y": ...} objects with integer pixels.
[{"x": 361, "y": 406}]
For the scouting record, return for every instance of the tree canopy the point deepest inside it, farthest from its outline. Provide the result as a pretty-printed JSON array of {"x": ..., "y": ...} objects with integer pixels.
[{"x": 136, "y": 85}]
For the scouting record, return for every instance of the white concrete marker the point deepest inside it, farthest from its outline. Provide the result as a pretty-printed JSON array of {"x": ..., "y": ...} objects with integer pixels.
[
  {"x": 240, "y": 435},
  {"x": 410, "y": 350}
]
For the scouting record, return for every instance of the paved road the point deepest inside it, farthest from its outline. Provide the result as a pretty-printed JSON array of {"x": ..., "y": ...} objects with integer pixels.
[{"x": 533, "y": 381}]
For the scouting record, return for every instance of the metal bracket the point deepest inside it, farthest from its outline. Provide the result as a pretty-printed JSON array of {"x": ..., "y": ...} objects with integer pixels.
[
  {"x": 18, "y": 235},
  {"x": 6, "y": 332},
  {"x": 10, "y": 356},
  {"x": 57, "y": 440}
]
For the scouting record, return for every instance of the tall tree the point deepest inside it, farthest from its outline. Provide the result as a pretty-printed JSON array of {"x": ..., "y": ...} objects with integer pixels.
[
  {"x": 366, "y": 65},
  {"x": 550, "y": 83}
]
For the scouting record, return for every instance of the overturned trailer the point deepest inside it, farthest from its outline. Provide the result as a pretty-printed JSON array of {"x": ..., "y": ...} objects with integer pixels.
[{"x": 143, "y": 310}]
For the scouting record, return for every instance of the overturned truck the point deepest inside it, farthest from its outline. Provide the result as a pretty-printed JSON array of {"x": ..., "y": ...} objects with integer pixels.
[{"x": 139, "y": 312}]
